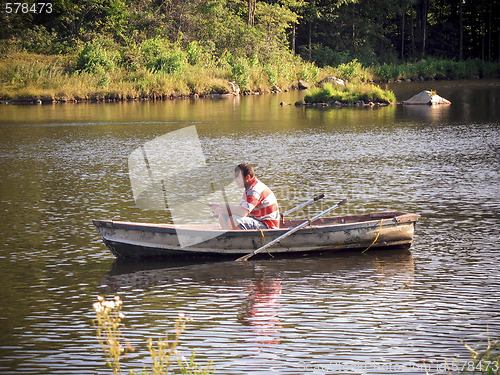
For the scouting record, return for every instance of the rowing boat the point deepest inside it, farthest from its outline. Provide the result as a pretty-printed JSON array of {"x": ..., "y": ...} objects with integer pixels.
[{"x": 388, "y": 229}]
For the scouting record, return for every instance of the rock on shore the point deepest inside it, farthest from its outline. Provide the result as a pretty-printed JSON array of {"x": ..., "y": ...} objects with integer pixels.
[
  {"x": 303, "y": 85},
  {"x": 333, "y": 81}
]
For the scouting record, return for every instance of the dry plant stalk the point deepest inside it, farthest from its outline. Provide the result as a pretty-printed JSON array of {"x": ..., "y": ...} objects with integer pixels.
[{"x": 164, "y": 354}]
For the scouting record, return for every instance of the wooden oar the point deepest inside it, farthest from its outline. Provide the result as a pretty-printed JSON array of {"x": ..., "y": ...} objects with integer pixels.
[
  {"x": 244, "y": 258},
  {"x": 302, "y": 205}
]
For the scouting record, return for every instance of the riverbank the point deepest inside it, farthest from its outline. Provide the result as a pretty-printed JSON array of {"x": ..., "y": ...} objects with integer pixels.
[
  {"x": 34, "y": 78},
  {"x": 96, "y": 75}
]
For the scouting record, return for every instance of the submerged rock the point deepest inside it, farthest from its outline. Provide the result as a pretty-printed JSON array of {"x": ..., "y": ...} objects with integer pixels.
[{"x": 426, "y": 98}]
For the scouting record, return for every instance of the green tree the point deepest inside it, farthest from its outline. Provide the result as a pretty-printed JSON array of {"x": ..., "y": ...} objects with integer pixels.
[{"x": 325, "y": 31}]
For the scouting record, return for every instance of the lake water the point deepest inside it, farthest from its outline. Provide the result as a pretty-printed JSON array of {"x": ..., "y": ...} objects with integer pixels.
[{"x": 377, "y": 313}]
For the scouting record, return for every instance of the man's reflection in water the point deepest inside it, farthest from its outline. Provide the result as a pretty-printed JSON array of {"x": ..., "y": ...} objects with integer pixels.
[{"x": 261, "y": 310}]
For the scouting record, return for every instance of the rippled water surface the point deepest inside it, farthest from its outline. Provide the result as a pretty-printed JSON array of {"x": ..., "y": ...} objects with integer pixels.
[{"x": 377, "y": 313}]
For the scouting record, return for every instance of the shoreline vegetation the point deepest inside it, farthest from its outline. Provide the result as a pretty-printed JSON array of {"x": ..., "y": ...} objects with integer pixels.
[
  {"x": 349, "y": 94},
  {"x": 158, "y": 71}
]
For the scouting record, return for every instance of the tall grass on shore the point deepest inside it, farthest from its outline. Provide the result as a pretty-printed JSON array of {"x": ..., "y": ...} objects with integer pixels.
[
  {"x": 155, "y": 69},
  {"x": 165, "y": 355},
  {"x": 158, "y": 69},
  {"x": 29, "y": 77}
]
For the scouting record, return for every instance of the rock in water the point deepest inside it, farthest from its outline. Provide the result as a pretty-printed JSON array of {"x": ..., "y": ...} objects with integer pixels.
[
  {"x": 426, "y": 98},
  {"x": 235, "y": 87},
  {"x": 436, "y": 99}
]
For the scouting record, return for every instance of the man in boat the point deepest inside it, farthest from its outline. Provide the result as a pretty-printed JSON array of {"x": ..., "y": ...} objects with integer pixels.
[{"x": 258, "y": 208}]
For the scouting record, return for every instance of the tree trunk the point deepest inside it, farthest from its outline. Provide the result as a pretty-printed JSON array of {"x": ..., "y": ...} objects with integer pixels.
[
  {"x": 489, "y": 34},
  {"x": 353, "y": 26},
  {"x": 252, "y": 4},
  {"x": 181, "y": 14},
  {"x": 310, "y": 41},
  {"x": 424, "y": 25},
  {"x": 412, "y": 35},
  {"x": 422, "y": 8},
  {"x": 402, "y": 34},
  {"x": 293, "y": 38},
  {"x": 461, "y": 18},
  {"x": 482, "y": 44}
]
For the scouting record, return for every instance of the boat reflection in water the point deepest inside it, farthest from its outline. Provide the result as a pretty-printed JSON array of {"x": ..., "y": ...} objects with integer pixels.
[
  {"x": 255, "y": 300},
  {"x": 147, "y": 274}
]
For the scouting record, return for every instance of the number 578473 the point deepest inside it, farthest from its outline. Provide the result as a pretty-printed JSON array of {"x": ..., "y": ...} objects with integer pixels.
[{"x": 19, "y": 8}]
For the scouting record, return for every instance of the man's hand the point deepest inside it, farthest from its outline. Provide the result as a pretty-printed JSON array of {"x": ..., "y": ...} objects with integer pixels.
[
  {"x": 213, "y": 206},
  {"x": 218, "y": 208}
]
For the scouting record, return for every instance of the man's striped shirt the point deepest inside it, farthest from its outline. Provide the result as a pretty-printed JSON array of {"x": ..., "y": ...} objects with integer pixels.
[{"x": 261, "y": 204}]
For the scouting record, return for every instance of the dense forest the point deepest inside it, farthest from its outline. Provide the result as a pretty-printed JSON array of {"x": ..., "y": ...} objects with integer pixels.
[
  {"x": 246, "y": 40},
  {"x": 328, "y": 32}
]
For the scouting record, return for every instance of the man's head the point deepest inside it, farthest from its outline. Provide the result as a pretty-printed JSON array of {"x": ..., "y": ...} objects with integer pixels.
[{"x": 244, "y": 174}]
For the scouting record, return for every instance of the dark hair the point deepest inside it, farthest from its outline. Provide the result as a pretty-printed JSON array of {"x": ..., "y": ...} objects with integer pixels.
[{"x": 246, "y": 169}]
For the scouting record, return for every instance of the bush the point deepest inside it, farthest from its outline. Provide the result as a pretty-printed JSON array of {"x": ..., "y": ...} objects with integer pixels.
[
  {"x": 160, "y": 56},
  {"x": 488, "y": 69},
  {"x": 436, "y": 69},
  {"x": 466, "y": 69},
  {"x": 272, "y": 74},
  {"x": 130, "y": 57},
  {"x": 309, "y": 72},
  {"x": 194, "y": 53},
  {"x": 325, "y": 94},
  {"x": 97, "y": 55},
  {"x": 240, "y": 69},
  {"x": 201, "y": 53},
  {"x": 171, "y": 62},
  {"x": 324, "y": 56},
  {"x": 38, "y": 39},
  {"x": 351, "y": 70},
  {"x": 386, "y": 72}
]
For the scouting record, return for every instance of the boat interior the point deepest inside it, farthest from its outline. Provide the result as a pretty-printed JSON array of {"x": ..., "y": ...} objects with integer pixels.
[
  {"x": 344, "y": 219},
  {"x": 321, "y": 222}
]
